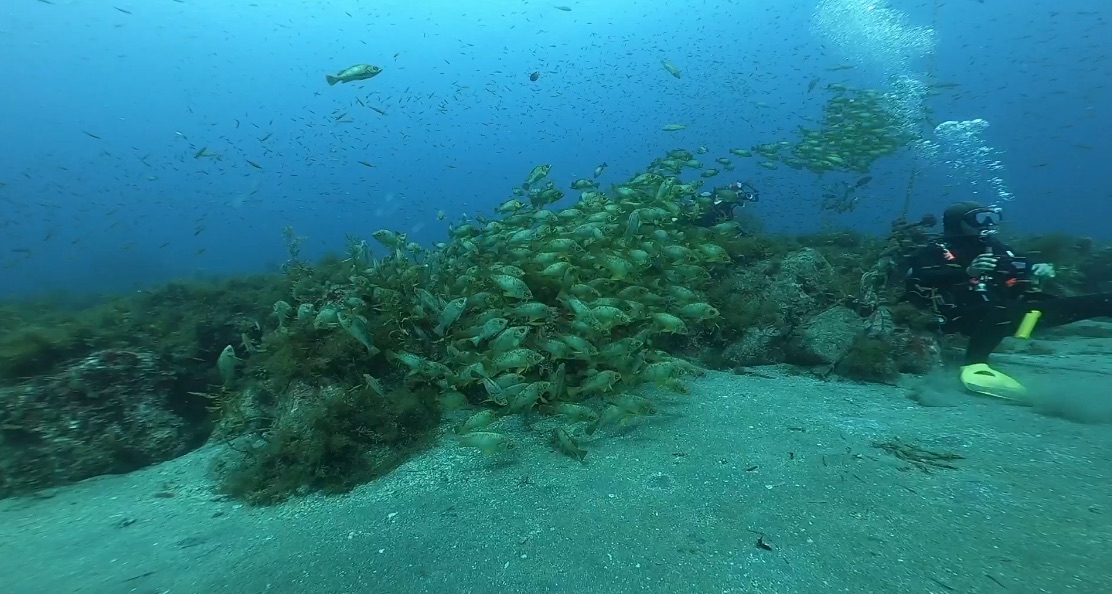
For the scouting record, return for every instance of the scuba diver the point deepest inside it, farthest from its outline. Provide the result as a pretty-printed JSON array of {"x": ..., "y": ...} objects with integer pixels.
[
  {"x": 723, "y": 200},
  {"x": 980, "y": 288}
]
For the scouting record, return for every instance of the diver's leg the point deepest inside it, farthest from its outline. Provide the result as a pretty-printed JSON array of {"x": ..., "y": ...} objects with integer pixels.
[
  {"x": 1056, "y": 311},
  {"x": 1059, "y": 311},
  {"x": 986, "y": 326},
  {"x": 983, "y": 341}
]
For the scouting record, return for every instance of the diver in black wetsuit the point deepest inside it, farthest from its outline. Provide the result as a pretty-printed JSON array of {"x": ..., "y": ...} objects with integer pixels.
[
  {"x": 980, "y": 288},
  {"x": 723, "y": 200}
]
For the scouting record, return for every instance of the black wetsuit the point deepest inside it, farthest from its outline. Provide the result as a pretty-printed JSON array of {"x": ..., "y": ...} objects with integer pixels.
[
  {"x": 989, "y": 308},
  {"x": 717, "y": 213},
  {"x": 723, "y": 202}
]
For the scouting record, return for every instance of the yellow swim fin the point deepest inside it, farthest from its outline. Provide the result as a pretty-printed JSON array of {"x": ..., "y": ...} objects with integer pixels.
[{"x": 982, "y": 379}]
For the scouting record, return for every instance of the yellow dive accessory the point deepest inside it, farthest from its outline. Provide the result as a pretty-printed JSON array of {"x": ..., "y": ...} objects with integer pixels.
[
  {"x": 982, "y": 379},
  {"x": 1028, "y": 324}
]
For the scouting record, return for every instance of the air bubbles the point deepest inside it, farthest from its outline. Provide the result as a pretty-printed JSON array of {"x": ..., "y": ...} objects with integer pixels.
[
  {"x": 961, "y": 145},
  {"x": 906, "y": 103},
  {"x": 870, "y": 34},
  {"x": 881, "y": 39}
]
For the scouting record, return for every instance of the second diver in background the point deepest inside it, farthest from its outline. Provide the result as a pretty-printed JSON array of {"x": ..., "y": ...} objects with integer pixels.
[{"x": 722, "y": 202}]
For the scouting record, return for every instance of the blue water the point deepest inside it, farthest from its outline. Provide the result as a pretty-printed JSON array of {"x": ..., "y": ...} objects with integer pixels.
[{"x": 464, "y": 124}]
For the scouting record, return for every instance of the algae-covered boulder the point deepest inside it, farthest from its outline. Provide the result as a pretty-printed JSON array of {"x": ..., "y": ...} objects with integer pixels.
[
  {"x": 826, "y": 338},
  {"x": 761, "y": 345},
  {"x": 321, "y": 438},
  {"x": 807, "y": 267},
  {"x": 113, "y": 411},
  {"x": 780, "y": 310},
  {"x": 802, "y": 278},
  {"x": 765, "y": 299},
  {"x": 916, "y": 352},
  {"x": 869, "y": 360}
]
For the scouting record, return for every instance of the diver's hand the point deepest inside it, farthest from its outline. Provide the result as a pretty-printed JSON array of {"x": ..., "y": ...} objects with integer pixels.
[
  {"x": 982, "y": 264},
  {"x": 1043, "y": 270}
]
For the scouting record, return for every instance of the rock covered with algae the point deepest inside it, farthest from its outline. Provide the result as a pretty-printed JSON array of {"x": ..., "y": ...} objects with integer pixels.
[{"x": 110, "y": 412}]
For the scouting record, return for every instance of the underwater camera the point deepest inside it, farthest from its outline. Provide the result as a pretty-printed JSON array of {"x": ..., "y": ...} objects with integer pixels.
[{"x": 1013, "y": 267}]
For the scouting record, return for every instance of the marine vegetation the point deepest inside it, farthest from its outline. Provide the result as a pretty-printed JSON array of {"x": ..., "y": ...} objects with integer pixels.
[
  {"x": 184, "y": 322},
  {"x": 868, "y": 360},
  {"x": 919, "y": 457}
]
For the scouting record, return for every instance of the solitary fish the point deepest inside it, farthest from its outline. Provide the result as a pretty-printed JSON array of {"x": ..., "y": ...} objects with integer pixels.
[
  {"x": 671, "y": 68},
  {"x": 353, "y": 73},
  {"x": 673, "y": 127}
]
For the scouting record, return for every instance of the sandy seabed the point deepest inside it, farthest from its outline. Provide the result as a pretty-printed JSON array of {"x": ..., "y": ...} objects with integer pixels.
[{"x": 770, "y": 483}]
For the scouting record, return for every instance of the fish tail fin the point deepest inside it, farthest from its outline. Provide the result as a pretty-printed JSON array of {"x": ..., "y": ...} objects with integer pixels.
[
  {"x": 593, "y": 427},
  {"x": 331, "y": 79}
]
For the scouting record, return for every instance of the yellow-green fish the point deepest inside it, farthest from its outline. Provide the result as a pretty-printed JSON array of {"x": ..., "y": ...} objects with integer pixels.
[
  {"x": 537, "y": 174},
  {"x": 358, "y": 327},
  {"x": 671, "y": 68},
  {"x": 673, "y": 127},
  {"x": 353, "y": 73},
  {"x": 226, "y": 365},
  {"x": 487, "y": 442},
  {"x": 450, "y": 314},
  {"x": 568, "y": 444}
]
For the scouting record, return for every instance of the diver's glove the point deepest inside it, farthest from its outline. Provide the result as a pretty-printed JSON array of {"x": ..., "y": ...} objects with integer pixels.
[
  {"x": 981, "y": 265},
  {"x": 1043, "y": 270}
]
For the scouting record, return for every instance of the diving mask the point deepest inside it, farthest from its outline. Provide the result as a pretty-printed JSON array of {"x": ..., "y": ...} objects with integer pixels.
[{"x": 984, "y": 220}]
